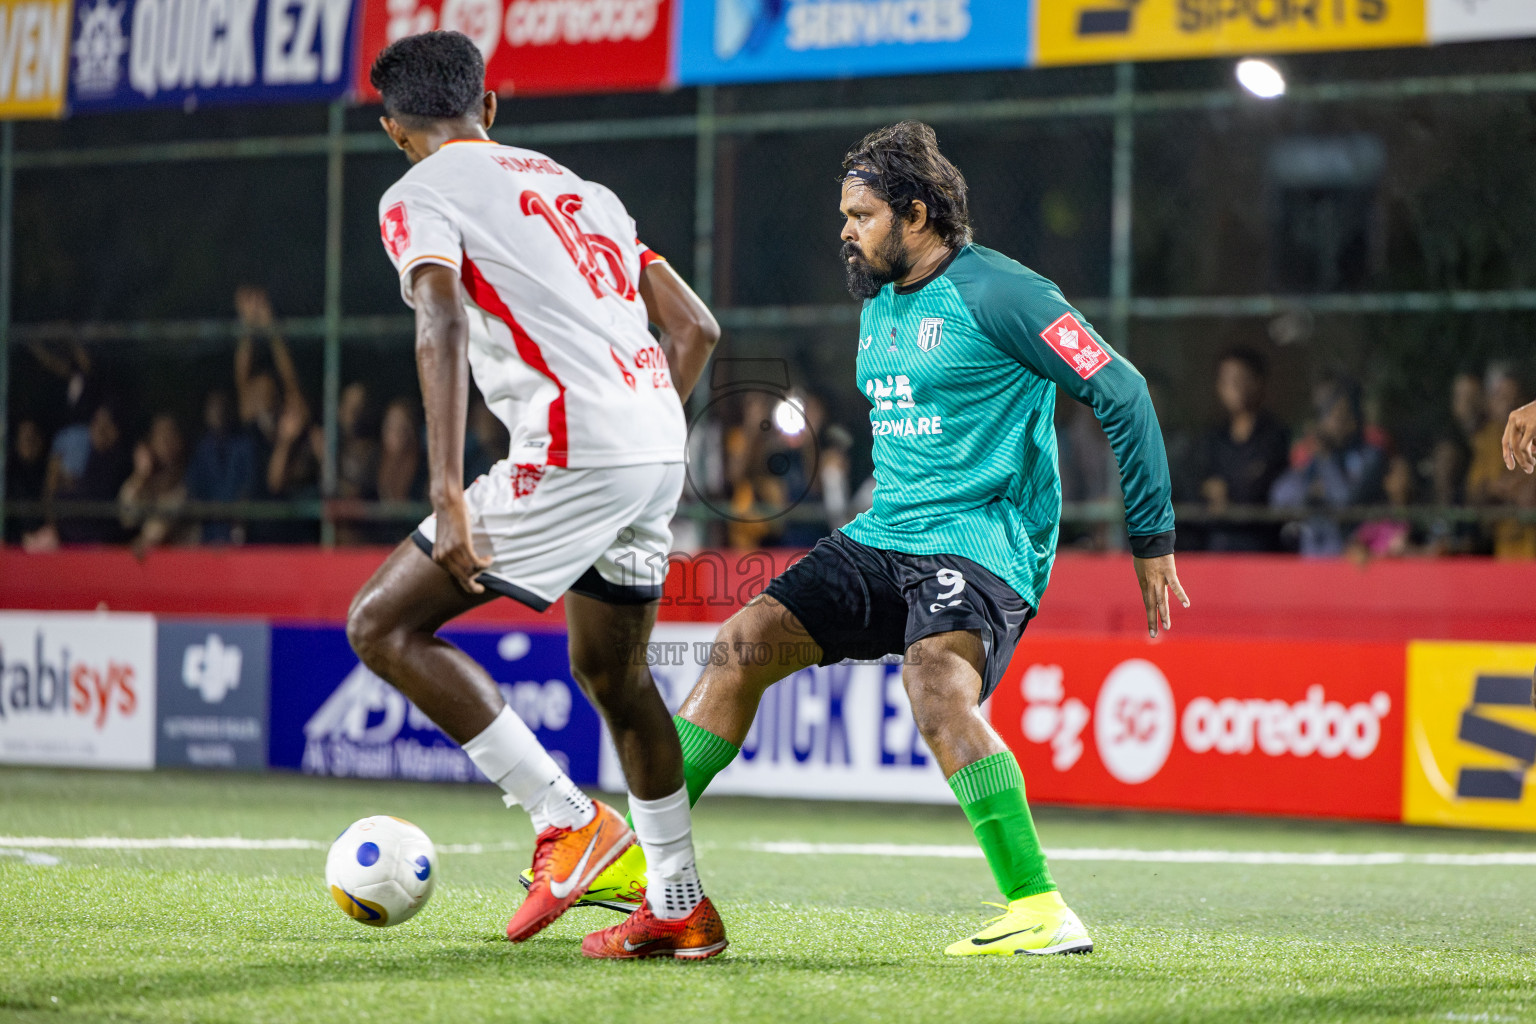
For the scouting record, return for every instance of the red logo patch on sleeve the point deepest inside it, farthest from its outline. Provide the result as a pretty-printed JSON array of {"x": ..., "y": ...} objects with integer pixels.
[
  {"x": 396, "y": 232},
  {"x": 1071, "y": 340}
]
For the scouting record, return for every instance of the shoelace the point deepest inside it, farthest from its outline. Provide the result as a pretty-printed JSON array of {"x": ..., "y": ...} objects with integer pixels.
[
  {"x": 545, "y": 848},
  {"x": 989, "y": 922}
]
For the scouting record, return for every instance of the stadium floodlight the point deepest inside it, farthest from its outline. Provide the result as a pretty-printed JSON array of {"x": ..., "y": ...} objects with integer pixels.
[
  {"x": 1261, "y": 78},
  {"x": 789, "y": 416}
]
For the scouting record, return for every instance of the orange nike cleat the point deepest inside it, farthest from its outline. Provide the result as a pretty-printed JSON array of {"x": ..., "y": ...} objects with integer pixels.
[
  {"x": 698, "y": 936},
  {"x": 565, "y": 862}
]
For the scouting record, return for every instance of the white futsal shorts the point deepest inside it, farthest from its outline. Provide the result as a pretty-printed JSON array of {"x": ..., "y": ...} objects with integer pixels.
[{"x": 603, "y": 533}]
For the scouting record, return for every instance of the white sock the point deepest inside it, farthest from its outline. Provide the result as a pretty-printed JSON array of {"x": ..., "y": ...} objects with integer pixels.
[
  {"x": 511, "y": 756},
  {"x": 665, "y": 830}
]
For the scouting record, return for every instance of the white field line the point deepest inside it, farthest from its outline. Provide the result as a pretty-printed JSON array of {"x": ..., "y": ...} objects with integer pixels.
[
  {"x": 13, "y": 845},
  {"x": 210, "y": 843},
  {"x": 1320, "y": 859}
]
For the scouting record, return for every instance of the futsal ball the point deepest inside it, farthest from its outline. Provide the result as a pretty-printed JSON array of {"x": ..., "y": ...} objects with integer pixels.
[{"x": 381, "y": 870}]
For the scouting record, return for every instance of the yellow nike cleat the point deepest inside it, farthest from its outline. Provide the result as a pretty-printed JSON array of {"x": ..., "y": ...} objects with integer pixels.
[
  {"x": 1032, "y": 926},
  {"x": 620, "y": 887}
]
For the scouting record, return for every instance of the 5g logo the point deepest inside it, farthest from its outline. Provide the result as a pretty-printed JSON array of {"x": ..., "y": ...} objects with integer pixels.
[{"x": 955, "y": 581}]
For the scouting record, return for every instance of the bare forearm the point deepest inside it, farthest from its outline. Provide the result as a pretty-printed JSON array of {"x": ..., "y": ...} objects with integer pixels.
[
  {"x": 443, "y": 365},
  {"x": 688, "y": 353}
]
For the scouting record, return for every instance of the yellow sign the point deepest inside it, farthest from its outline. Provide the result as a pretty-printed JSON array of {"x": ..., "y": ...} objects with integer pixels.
[
  {"x": 1097, "y": 31},
  {"x": 1471, "y": 736},
  {"x": 34, "y": 56}
]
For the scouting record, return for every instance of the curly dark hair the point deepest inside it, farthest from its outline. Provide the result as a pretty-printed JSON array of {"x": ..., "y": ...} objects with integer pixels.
[
  {"x": 435, "y": 75},
  {"x": 904, "y": 166}
]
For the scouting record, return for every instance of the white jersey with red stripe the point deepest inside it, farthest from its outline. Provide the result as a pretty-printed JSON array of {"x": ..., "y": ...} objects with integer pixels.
[{"x": 551, "y": 267}]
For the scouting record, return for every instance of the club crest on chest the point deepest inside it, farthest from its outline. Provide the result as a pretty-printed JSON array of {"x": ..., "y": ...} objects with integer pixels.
[{"x": 930, "y": 332}]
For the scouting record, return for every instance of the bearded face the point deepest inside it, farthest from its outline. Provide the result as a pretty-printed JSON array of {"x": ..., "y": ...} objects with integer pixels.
[{"x": 871, "y": 263}]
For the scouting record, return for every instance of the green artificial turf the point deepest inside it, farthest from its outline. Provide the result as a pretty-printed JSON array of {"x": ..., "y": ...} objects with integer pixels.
[{"x": 228, "y": 935}]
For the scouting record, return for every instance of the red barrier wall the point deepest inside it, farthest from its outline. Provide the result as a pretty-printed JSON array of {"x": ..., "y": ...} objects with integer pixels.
[{"x": 1251, "y": 596}]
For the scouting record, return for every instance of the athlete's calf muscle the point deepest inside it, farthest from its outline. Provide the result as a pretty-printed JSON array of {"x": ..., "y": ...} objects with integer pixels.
[{"x": 758, "y": 646}]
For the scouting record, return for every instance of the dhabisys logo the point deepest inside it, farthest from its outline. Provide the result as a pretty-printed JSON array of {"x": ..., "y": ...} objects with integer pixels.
[
  {"x": 1490, "y": 735},
  {"x": 46, "y": 681},
  {"x": 212, "y": 668},
  {"x": 842, "y": 24}
]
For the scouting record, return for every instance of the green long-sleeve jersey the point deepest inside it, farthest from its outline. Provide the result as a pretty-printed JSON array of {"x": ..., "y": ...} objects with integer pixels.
[{"x": 961, "y": 371}]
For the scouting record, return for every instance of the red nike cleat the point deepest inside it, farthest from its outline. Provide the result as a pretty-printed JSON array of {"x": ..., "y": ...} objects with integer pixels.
[
  {"x": 565, "y": 862},
  {"x": 698, "y": 936}
]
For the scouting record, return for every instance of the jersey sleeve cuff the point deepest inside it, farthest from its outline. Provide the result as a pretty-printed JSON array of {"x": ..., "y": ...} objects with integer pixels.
[
  {"x": 409, "y": 268},
  {"x": 649, "y": 256},
  {"x": 1154, "y": 545}
]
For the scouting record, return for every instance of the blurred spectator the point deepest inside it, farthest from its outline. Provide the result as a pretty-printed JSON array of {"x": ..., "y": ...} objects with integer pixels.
[
  {"x": 78, "y": 398},
  {"x": 813, "y": 464},
  {"x": 106, "y": 467},
  {"x": 1345, "y": 470},
  {"x": 1391, "y": 537},
  {"x": 1448, "y": 462},
  {"x": 485, "y": 442},
  {"x": 756, "y": 493},
  {"x": 402, "y": 474},
  {"x": 1239, "y": 460},
  {"x": 357, "y": 452},
  {"x": 1088, "y": 470},
  {"x": 26, "y": 471},
  {"x": 289, "y": 449},
  {"x": 223, "y": 467},
  {"x": 150, "y": 499},
  {"x": 1489, "y": 482}
]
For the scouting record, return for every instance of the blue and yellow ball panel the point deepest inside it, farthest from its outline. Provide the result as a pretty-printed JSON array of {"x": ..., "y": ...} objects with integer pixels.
[{"x": 364, "y": 911}]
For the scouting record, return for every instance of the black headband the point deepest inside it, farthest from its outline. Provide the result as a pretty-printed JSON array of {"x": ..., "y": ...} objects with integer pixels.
[{"x": 867, "y": 176}]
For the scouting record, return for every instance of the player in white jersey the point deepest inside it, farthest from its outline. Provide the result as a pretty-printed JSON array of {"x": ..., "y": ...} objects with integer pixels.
[{"x": 533, "y": 280}]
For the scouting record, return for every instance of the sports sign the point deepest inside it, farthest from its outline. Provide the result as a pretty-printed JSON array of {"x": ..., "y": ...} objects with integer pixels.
[
  {"x": 332, "y": 716},
  {"x": 1093, "y": 31},
  {"x": 34, "y": 46},
  {"x": 761, "y": 40},
  {"x": 182, "y": 53},
  {"x": 844, "y": 732},
  {"x": 536, "y": 47},
  {"x": 212, "y": 694},
  {"x": 1471, "y": 736},
  {"x": 1255, "y": 726},
  {"x": 77, "y": 689}
]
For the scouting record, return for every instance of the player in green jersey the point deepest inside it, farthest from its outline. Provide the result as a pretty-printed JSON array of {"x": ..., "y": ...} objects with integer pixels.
[{"x": 961, "y": 350}]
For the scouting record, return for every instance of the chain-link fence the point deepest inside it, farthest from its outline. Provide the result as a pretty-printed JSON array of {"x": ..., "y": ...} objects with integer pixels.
[{"x": 1373, "y": 225}]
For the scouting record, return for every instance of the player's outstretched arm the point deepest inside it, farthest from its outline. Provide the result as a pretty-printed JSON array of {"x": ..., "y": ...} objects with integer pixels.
[
  {"x": 688, "y": 329},
  {"x": 1520, "y": 439},
  {"x": 1029, "y": 319},
  {"x": 442, "y": 362}
]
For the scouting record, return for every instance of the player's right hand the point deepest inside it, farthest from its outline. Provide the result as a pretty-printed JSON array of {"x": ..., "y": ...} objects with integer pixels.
[
  {"x": 454, "y": 548},
  {"x": 1520, "y": 439}
]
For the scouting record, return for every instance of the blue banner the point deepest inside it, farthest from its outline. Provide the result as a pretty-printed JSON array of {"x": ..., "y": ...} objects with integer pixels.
[
  {"x": 761, "y": 40},
  {"x": 212, "y": 694},
  {"x": 332, "y": 716},
  {"x": 183, "y": 53}
]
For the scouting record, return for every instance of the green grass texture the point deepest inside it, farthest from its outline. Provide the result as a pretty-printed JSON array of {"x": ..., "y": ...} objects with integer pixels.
[{"x": 251, "y": 935}]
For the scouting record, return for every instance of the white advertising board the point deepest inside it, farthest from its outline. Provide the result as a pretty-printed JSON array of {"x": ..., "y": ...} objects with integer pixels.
[
  {"x": 77, "y": 689},
  {"x": 1453, "y": 21}
]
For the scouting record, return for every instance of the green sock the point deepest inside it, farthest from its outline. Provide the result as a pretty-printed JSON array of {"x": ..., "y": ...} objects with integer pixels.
[
  {"x": 991, "y": 792},
  {"x": 705, "y": 755}
]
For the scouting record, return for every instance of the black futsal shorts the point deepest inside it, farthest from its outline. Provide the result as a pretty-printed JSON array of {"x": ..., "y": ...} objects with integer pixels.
[{"x": 862, "y": 603}]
